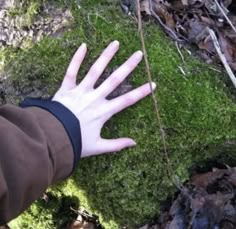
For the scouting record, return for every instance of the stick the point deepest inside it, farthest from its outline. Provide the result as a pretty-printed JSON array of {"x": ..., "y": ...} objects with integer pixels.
[
  {"x": 221, "y": 55},
  {"x": 168, "y": 30},
  {"x": 226, "y": 17},
  {"x": 180, "y": 53},
  {"x": 162, "y": 133}
]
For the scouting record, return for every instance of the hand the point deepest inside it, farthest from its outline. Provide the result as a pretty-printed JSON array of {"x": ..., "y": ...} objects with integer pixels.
[{"x": 90, "y": 105}]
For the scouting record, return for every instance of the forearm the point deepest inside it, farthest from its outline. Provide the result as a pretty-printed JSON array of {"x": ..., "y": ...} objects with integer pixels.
[{"x": 35, "y": 152}]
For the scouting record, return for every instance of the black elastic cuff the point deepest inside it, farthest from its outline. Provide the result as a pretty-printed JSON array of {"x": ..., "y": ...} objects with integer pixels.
[{"x": 65, "y": 116}]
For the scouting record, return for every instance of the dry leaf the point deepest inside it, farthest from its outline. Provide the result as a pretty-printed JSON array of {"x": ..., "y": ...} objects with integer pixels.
[
  {"x": 187, "y": 20},
  {"x": 163, "y": 13},
  {"x": 207, "y": 201},
  {"x": 185, "y": 2}
]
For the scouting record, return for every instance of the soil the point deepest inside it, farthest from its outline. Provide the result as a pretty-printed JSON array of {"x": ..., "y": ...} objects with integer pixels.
[
  {"x": 20, "y": 29},
  {"x": 18, "y": 32}
]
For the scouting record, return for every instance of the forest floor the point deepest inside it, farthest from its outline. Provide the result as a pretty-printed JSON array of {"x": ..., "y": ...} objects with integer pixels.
[{"x": 198, "y": 111}]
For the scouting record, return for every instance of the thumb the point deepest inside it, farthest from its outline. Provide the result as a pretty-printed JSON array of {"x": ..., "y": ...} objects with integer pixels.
[{"x": 114, "y": 145}]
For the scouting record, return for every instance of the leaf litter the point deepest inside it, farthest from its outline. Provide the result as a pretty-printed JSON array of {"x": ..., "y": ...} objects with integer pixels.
[
  {"x": 186, "y": 21},
  {"x": 207, "y": 201},
  {"x": 190, "y": 22}
]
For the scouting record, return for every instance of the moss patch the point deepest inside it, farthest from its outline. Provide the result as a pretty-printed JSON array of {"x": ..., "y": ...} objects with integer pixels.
[{"x": 198, "y": 113}]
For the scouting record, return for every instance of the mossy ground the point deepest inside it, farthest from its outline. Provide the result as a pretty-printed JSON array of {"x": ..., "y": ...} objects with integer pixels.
[{"x": 198, "y": 113}]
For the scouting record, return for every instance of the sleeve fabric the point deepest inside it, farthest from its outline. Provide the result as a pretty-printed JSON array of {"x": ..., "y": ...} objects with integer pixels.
[{"x": 38, "y": 147}]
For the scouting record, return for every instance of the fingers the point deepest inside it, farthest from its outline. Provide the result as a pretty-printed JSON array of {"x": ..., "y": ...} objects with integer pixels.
[
  {"x": 99, "y": 66},
  {"x": 118, "y": 104},
  {"x": 120, "y": 74},
  {"x": 69, "y": 81},
  {"x": 114, "y": 145}
]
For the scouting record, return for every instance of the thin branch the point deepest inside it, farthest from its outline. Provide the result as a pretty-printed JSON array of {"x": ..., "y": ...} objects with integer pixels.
[
  {"x": 224, "y": 14},
  {"x": 179, "y": 51},
  {"x": 162, "y": 133},
  {"x": 172, "y": 34},
  {"x": 221, "y": 55},
  {"x": 214, "y": 69}
]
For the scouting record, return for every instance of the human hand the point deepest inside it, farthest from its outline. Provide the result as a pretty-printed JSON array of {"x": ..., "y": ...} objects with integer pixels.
[{"x": 90, "y": 105}]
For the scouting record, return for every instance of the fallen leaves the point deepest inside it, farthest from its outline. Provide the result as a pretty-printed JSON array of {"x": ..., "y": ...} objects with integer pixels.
[
  {"x": 207, "y": 201},
  {"x": 186, "y": 21}
]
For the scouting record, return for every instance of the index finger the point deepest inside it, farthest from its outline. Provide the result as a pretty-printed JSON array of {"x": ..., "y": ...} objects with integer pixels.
[{"x": 69, "y": 81}]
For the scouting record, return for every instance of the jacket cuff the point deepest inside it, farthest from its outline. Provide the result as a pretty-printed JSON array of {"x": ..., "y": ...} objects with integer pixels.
[{"x": 69, "y": 121}]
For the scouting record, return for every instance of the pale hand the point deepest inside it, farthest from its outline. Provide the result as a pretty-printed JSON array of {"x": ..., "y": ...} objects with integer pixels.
[{"x": 90, "y": 105}]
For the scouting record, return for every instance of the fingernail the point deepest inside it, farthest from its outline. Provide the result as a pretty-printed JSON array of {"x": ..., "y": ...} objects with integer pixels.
[
  {"x": 83, "y": 45},
  {"x": 132, "y": 143},
  {"x": 115, "y": 43},
  {"x": 139, "y": 54},
  {"x": 153, "y": 86}
]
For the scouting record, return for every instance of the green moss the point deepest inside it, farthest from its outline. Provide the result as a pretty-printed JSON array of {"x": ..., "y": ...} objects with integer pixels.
[{"x": 197, "y": 110}]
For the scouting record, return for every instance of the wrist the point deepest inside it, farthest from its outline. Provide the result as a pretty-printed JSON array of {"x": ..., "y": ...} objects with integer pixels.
[{"x": 68, "y": 120}]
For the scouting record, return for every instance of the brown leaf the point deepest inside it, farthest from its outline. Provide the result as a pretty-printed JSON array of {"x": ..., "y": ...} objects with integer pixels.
[
  {"x": 207, "y": 44},
  {"x": 77, "y": 224},
  {"x": 197, "y": 202},
  {"x": 215, "y": 205},
  {"x": 162, "y": 12},
  {"x": 185, "y": 2},
  {"x": 208, "y": 21},
  {"x": 196, "y": 31},
  {"x": 204, "y": 180},
  {"x": 228, "y": 49},
  {"x": 177, "y": 5}
]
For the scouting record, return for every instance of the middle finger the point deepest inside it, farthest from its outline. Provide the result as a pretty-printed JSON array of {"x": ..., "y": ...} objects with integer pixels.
[
  {"x": 99, "y": 66},
  {"x": 118, "y": 76}
]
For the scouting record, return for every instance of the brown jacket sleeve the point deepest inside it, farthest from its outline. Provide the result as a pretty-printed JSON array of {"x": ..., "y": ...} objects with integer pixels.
[{"x": 35, "y": 151}]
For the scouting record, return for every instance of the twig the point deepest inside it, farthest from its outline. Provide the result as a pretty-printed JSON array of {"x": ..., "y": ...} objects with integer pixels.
[
  {"x": 180, "y": 53},
  {"x": 183, "y": 72},
  {"x": 221, "y": 55},
  {"x": 162, "y": 133},
  {"x": 214, "y": 69},
  {"x": 172, "y": 34},
  {"x": 224, "y": 14}
]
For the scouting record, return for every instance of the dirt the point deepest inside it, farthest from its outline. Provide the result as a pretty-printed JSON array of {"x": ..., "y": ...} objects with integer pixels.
[
  {"x": 20, "y": 29},
  {"x": 207, "y": 200},
  {"x": 17, "y": 31},
  {"x": 13, "y": 94}
]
